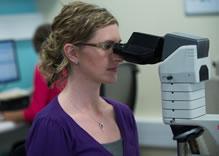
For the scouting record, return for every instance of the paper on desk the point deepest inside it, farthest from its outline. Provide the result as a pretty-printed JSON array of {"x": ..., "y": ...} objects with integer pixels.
[
  {"x": 14, "y": 93},
  {"x": 6, "y": 126}
]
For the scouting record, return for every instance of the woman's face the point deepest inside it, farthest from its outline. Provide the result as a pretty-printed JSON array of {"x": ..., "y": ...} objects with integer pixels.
[{"x": 99, "y": 64}]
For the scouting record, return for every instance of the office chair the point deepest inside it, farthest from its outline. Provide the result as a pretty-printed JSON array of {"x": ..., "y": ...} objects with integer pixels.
[
  {"x": 125, "y": 89},
  {"x": 18, "y": 149}
]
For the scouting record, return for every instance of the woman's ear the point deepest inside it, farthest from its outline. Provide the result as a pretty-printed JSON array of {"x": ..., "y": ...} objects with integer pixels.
[{"x": 71, "y": 52}]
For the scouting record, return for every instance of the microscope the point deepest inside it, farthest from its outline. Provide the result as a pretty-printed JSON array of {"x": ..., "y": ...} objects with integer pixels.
[{"x": 184, "y": 66}]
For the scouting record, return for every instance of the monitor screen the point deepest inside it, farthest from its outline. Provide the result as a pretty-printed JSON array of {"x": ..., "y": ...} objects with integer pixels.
[{"x": 8, "y": 62}]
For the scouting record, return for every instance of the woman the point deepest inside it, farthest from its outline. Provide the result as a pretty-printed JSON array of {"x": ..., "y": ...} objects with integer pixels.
[{"x": 78, "y": 121}]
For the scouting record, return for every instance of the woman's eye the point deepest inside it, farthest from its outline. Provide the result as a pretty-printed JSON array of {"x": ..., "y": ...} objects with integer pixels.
[{"x": 108, "y": 45}]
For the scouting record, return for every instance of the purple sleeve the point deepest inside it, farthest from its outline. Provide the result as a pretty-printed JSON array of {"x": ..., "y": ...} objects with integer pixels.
[
  {"x": 135, "y": 138},
  {"x": 46, "y": 138},
  {"x": 130, "y": 130}
]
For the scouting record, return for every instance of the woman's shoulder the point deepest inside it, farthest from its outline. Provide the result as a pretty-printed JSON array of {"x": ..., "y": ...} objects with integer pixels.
[{"x": 52, "y": 111}]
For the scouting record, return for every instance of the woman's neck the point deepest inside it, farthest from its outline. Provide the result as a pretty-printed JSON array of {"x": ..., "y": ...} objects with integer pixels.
[{"x": 81, "y": 93}]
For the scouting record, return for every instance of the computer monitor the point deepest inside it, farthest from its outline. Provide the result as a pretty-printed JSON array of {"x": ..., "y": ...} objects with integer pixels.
[{"x": 8, "y": 62}]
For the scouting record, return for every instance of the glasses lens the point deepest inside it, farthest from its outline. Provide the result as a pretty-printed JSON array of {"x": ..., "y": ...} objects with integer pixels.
[{"x": 107, "y": 45}]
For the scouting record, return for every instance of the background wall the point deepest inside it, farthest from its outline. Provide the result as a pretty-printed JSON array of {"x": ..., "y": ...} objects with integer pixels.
[{"x": 148, "y": 16}]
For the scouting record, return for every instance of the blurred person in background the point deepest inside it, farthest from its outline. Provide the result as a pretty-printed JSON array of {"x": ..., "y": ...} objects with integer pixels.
[{"x": 41, "y": 94}]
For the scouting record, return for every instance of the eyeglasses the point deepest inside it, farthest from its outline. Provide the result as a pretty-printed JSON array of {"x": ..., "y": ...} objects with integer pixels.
[{"x": 103, "y": 45}]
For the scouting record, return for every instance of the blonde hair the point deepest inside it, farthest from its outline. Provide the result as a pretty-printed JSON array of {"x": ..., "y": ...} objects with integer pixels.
[{"x": 77, "y": 22}]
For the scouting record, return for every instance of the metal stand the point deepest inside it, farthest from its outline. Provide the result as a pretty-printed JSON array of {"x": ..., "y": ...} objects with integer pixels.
[
  {"x": 182, "y": 149},
  {"x": 186, "y": 139}
]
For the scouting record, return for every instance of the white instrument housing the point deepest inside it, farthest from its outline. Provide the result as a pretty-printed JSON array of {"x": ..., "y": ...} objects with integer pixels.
[{"x": 183, "y": 92}]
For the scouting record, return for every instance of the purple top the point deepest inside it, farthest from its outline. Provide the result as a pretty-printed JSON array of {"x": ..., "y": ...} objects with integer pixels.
[{"x": 55, "y": 133}]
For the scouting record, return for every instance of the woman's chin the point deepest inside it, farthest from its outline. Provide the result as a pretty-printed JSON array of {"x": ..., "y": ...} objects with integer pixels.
[{"x": 110, "y": 80}]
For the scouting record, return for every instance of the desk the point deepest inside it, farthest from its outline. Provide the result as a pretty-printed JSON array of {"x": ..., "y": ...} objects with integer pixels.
[
  {"x": 14, "y": 99},
  {"x": 11, "y": 133}
]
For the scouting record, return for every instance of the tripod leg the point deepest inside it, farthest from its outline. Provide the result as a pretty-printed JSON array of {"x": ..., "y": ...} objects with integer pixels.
[
  {"x": 182, "y": 149},
  {"x": 194, "y": 146}
]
